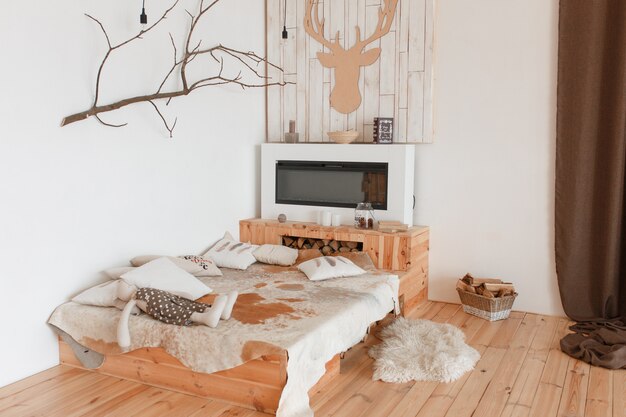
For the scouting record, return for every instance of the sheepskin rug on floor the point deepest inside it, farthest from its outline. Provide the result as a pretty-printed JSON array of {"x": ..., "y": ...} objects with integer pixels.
[{"x": 421, "y": 350}]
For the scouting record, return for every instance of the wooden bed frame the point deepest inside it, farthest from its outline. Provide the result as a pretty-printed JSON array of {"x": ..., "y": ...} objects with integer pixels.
[{"x": 257, "y": 384}]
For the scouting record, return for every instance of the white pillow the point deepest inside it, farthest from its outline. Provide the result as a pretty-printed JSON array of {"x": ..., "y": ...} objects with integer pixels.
[
  {"x": 327, "y": 267},
  {"x": 116, "y": 273},
  {"x": 103, "y": 295},
  {"x": 276, "y": 255},
  {"x": 195, "y": 265},
  {"x": 228, "y": 253},
  {"x": 162, "y": 274}
]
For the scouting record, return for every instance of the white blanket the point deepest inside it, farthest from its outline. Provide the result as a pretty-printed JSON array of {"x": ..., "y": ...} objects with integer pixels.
[{"x": 312, "y": 321}]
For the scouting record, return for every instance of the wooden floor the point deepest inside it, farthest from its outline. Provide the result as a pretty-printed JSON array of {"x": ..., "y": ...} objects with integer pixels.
[{"x": 522, "y": 373}]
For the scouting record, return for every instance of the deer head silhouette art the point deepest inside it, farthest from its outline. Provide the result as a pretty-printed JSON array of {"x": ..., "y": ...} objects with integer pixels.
[{"x": 345, "y": 96}]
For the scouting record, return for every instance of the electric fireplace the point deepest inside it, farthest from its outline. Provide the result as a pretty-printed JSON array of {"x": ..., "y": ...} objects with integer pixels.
[
  {"x": 331, "y": 183},
  {"x": 300, "y": 180}
]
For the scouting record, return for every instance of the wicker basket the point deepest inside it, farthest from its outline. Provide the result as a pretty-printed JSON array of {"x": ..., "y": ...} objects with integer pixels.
[{"x": 491, "y": 309}]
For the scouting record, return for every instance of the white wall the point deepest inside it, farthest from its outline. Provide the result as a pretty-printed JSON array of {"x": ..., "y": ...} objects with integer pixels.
[
  {"x": 486, "y": 186},
  {"x": 79, "y": 199}
]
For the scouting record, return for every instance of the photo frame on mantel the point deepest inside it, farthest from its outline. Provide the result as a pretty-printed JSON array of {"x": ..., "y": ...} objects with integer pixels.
[{"x": 397, "y": 85}]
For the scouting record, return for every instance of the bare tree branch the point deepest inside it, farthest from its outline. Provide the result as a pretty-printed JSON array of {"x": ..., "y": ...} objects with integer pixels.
[
  {"x": 169, "y": 129},
  {"x": 113, "y": 48},
  {"x": 109, "y": 124},
  {"x": 176, "y": 63},
  {"x": 249, "y": 60}
]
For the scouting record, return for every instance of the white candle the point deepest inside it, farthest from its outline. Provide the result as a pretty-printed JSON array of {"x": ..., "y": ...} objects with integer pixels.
[{"x": 327, "y": 218}]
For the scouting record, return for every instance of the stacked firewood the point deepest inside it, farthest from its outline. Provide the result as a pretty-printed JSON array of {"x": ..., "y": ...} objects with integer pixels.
[
  {"x": 326, "y": 246},
  {"x": 487, "y": 287}
]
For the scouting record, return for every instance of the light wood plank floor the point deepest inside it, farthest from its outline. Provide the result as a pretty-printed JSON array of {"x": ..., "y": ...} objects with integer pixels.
[{"x": 522, "y": 373}]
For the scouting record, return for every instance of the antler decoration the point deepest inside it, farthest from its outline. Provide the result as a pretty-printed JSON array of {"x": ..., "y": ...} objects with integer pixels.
[
  {"x": 385, "y": 19},
  {"x": 317, "y": 32},
  {"x": 346, "y": 97},
  {"x": 249, "y": 60}
]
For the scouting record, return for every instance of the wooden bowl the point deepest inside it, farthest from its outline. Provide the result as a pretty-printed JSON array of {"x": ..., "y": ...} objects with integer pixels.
[{"x": 343, "y": 136}]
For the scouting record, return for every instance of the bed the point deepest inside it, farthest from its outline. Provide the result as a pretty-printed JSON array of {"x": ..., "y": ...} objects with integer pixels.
[{"x": 284, "y": 337}]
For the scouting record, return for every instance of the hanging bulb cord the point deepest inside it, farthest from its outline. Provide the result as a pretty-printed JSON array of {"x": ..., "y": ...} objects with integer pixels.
[
  {"x": 285, "y": 34},
  {"x": 143, "y": 17}
]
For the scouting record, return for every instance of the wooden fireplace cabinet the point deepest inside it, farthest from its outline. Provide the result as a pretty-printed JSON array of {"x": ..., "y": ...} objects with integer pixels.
[{"x": 402, "y": 253}]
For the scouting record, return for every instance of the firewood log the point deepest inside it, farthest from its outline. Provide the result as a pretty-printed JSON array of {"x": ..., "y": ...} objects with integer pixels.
[
  {"x": 352, "y": 245},
  {"x": 465, "y": 287},
  {"x": 327, "y": 250},
  {"x": 504, "y": 292},
  {"x": 287, "y": 241},
  {"x": 344, "y": 249},
  {"x": 481, "y": 290},
  {"x": 301, "y": 242},
  {"x": 335, "y": 245},
  {"x": 497, "y": 287}
]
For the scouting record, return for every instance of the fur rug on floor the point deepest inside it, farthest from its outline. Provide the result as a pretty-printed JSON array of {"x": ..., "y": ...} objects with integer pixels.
[{"x": 422, "y": 350}]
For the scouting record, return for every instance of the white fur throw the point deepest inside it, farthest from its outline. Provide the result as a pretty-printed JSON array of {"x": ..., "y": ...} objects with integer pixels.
[{"x": 422, "y": 350}]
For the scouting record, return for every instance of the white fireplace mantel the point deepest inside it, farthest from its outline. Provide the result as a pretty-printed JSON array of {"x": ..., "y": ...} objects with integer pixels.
[{"x": 400, "y": 157}]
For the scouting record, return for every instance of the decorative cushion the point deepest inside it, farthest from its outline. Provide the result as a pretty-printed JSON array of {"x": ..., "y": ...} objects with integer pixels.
[
  {"x": 360, "y": 259},
  {"x": 116, "y": 273},
  {"x": 103, "y": 295},
  {"x": 162, "y": 274},
  {"x": 229, "y": 253},
  {"x": 195, "y": 265},
  {"x": 209, "y": 269},
  {"x": 276, "y": 255},
  {"x": 327, "y": 267}
]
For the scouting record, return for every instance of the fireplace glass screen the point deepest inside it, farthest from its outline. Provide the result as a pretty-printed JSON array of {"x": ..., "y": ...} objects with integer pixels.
[{"x": 331, "y": 184}]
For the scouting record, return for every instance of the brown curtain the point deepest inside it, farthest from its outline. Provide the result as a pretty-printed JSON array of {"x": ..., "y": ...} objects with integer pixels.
[{"x": 591, "y": 175}]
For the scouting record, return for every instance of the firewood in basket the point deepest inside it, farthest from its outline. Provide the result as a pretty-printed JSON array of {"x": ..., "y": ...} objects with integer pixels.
[
  {"x": 481, "y": 290},
  {"x": 465, "y": 286},
  {"x": 497, "y": 287},
  {"x": 504, "y": 292}
]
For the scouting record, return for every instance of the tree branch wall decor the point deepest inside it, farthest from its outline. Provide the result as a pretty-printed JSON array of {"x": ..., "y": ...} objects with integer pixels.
[{"x": 191, "y": 50}]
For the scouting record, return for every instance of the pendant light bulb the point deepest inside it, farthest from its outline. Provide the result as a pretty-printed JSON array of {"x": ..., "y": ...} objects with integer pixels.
[{"x": 143, "y": 17}]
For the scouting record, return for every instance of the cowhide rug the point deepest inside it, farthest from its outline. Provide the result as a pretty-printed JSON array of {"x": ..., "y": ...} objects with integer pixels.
[{"x": 421, "y": 350}]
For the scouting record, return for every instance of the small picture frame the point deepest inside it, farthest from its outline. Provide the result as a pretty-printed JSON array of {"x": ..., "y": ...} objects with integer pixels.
[{"x": 383, "y": 130}]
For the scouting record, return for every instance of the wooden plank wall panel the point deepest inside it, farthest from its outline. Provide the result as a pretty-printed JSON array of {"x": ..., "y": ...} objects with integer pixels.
[
  {"x": 274, "y": 55},
  {"x": 398, "y": 85}
]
